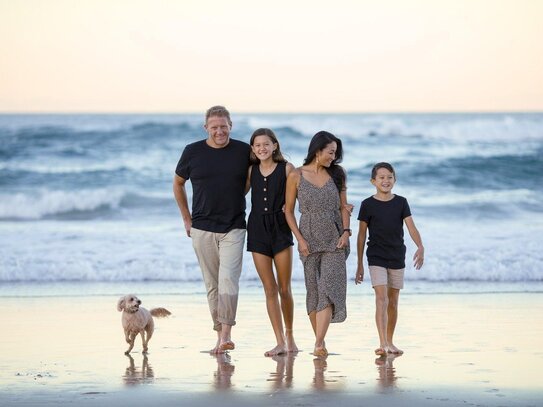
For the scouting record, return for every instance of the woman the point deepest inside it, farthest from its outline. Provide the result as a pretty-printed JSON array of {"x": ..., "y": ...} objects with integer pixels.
[{"x": 323, "y": 233}]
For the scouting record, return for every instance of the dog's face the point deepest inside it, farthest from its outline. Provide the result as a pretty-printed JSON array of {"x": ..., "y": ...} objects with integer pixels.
[{"x": 129, "y": 303}]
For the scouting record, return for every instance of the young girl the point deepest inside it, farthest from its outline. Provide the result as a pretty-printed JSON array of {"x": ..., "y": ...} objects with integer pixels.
[
  {"x": 268, "y": 236},
  {"x": 383, "y": 214},
  {"x": 320, "y": 186}
]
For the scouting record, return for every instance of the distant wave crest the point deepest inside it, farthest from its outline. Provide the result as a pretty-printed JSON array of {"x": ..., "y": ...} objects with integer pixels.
[{"x": 47, "y": 203}]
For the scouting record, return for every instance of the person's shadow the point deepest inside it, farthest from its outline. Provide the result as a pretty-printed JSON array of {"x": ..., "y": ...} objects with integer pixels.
[
  {"x": 224, "y": 372},
  {"x": 135, "y": 375},
  {"x": 386, "y": 370},
  {"x": 284, "y": 371}
]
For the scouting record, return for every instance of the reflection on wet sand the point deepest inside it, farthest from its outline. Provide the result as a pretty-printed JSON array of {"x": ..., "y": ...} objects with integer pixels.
[
  {"x": 331, "y": 381},
  {"x": 284, "y": 371},
  {"x": 320, "y": 364},
  {"x": 387, "y": 373},
  {"x": 134, "y": 375},
  {"x": 225, "y": 370}
]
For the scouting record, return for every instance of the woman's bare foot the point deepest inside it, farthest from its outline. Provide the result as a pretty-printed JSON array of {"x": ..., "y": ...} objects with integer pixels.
[
  {"x": 278, "y": 350},
  {"x": 291, "y": 345},
  {"x": 394, "y": 350},
  {"x": 320, "y": 351}
]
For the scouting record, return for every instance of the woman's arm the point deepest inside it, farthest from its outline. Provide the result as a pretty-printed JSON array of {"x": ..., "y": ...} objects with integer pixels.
[
  {"x": 291, "y": 194},
  {"x": 345, "y": 219},
  {"x": 345, "y": 216}
]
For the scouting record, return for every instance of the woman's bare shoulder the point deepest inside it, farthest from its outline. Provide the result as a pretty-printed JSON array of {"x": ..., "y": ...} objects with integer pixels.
[
  {"x": 294, "y": 174},
  {"x": 289, "y": 168}
]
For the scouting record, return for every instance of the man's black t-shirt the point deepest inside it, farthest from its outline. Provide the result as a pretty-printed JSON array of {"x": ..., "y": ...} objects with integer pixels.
[
  {"x": 385, "y": 224},
  {"x": 218, "y": 177}
]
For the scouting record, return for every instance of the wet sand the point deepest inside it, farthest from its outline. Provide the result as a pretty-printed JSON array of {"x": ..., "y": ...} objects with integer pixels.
[{"x": 67, "y": 348}]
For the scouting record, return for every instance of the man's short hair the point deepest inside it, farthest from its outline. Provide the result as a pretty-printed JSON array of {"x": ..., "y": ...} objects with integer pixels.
[{"x": 220, "y": 111}]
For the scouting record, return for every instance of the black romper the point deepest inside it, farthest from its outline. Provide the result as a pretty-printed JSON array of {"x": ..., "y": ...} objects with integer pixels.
[{"x": 267, "y": 230}]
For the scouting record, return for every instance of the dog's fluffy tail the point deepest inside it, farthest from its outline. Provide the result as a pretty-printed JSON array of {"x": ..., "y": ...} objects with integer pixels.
[{"x": 160, "y": 312}]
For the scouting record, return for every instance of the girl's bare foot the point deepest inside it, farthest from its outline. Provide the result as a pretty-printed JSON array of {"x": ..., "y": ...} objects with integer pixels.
[
  {"x": 380, "y": 351},
  {"x": 278, "y": 350},
  {"x": 291, "y": 345}
]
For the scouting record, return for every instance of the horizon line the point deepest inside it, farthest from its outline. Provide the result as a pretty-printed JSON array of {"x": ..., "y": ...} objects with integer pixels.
[{"x": 316, "y": 112}]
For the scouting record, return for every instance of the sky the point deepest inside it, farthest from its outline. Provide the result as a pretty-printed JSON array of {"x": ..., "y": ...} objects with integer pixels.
[{"x": 273, "y": 56}]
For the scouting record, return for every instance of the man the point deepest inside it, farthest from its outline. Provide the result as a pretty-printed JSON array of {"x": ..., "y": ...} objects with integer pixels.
[{"x": 217, "y": 168}]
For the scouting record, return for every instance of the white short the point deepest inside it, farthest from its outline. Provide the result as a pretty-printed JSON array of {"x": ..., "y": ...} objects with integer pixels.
[{"x": 392, "y": 278}]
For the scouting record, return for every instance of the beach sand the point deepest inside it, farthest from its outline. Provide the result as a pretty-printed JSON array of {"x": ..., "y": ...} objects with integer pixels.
[{"x": 64, "y": 345}]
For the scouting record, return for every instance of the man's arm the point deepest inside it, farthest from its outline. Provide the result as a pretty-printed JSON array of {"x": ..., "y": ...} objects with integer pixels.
[{"x": 180, "y": 194}]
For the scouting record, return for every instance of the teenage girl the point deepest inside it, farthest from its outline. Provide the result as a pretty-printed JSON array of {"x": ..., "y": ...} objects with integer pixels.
[{"x": 268, "y": 235}]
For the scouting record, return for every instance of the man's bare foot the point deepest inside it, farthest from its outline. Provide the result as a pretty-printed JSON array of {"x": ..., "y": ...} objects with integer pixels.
[
  {"x": 227, "y": 345},
  {"x": 278, "y": 350},
  {"x": 291, "y": 345},
  {"x": 394, "y": 350},
  {"x": 216, "y": 350}
]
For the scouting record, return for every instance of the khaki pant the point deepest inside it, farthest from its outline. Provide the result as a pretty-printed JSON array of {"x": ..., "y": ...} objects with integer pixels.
[{"x": 220, "y": 256}]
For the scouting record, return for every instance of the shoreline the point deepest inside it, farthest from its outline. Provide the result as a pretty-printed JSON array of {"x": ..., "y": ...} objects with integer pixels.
[{"x": 67, "y": 288}]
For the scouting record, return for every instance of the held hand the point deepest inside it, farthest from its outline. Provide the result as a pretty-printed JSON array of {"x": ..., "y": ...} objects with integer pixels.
[
  {"x": 303, "y": 247},
  {"x": 418, "y": 258},
  {"x": 343, "y": 241},
  {"x": 359, "y": 274},
  {"x": 349, "y": 208}
]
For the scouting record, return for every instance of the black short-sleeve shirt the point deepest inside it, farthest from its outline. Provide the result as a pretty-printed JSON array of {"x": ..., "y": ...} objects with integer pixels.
[
  {"x": 218, "y": 177},
  {"x": 385, "y": 225}
]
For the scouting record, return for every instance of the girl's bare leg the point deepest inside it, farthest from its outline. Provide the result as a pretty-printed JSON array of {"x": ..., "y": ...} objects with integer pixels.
[
  {"x": 264, "y": 268},
  {"x": 283, "y": 265}
]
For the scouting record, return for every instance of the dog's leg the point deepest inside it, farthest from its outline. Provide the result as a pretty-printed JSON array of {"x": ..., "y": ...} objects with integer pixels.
[
  {"x": 149, "y": 332},
  {"x": 143, "y": 342},
  {"x": 131, "y": 342}
]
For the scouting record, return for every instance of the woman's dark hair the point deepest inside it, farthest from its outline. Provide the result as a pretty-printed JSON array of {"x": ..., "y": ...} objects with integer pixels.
[
  {"x": 378, "y": 166},
  {"x": 318, "y": 143},
  {"x": 277, "y": 156}
]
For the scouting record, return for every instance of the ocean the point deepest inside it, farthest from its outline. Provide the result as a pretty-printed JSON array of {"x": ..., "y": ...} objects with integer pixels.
[{"x": 88, "y": 198}]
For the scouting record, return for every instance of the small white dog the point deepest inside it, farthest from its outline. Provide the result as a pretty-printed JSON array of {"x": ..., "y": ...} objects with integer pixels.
[{"x": 137, "y": 320}]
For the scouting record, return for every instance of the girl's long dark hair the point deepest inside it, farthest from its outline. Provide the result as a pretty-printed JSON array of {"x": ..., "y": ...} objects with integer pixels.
[
  {"x": 277, "y": 155},
  {"x": 318, "y": 143}
]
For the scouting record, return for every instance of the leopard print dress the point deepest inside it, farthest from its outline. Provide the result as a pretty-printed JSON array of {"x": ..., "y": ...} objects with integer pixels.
[{"x": 325, "y": 268}]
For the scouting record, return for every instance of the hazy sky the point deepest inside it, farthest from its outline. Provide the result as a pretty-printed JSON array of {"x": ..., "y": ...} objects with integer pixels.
[{"x": 270, "y": 56}]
